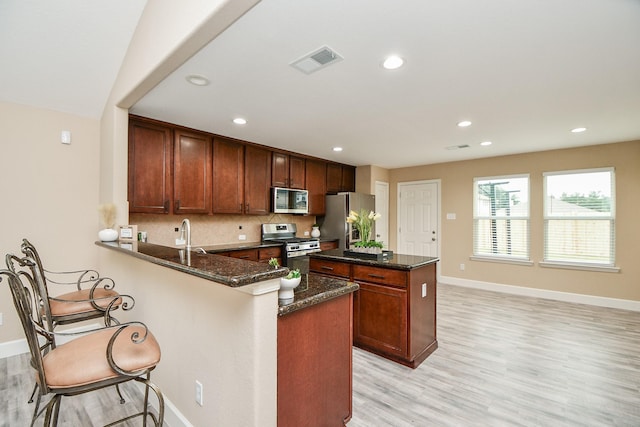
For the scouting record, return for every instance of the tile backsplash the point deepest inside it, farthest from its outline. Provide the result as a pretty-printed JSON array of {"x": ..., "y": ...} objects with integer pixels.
[{"x": 213, "y": 229}]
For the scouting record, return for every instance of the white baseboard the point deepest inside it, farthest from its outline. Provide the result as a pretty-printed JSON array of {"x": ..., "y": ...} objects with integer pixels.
[
  {"x": 622, "y": 304},
  {"x": 13, "y": 348},
  {"x": 172, "y": 416}
]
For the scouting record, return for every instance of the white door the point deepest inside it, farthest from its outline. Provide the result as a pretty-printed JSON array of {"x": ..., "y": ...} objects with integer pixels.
[
  {"x": 418, "y": 212},
  {"x": 382, "y": 207}
]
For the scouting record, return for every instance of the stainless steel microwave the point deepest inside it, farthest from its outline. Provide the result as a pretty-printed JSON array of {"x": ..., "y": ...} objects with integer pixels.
[{"x": 289, "y": 200}]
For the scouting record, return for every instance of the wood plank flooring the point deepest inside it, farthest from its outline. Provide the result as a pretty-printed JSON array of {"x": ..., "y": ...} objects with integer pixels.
[
  {"x": 507, "y": 360},
  {"x": 503, "y": 360}
]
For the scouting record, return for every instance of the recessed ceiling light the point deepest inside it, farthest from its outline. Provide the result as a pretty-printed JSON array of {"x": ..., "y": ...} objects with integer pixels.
[
  {"x": 197, "y": 80},
  {"x": 578, "y": 130},
  {"x": 393, "y": 62},
  {"x": 240, "y": 121},
  {"x": 337, "y": 148},
  {"x": 464, "y": 123},
  {"x": 486, "y": 143}
]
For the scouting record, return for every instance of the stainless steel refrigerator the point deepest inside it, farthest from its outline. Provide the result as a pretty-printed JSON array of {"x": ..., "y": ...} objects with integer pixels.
[{"x": 334, "y": 223}]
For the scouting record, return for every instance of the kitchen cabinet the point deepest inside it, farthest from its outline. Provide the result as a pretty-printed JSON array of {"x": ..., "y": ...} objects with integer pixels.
[
  {"x": 287, "y": 171},
  {"x": 316, "y": 181},
  {"x": 241, "y": 178},
  {"x": 315, "y": 365},
  {"x": 265, "y": 254},
  {"x": 245, "y": 254},
  {"x": 394, "y": 311},
  {"x": 340, "y": 178},
  {"x": 150, "y": 181},
  {"x": 257, "y": 181},
  {"x": 325, "y": 246},
  {"x": 192, "y": 181},
  {"x": 228, "y": 176}
]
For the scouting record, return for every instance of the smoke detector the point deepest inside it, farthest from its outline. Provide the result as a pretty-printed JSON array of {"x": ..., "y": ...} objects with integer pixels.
[{"x": 316, "y": 60}]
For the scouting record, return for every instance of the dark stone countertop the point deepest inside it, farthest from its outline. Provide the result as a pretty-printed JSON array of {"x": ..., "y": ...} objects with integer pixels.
[
  {"x": 212, "y": 249},
  {"x": 236, "y": 272},
  {"x": 396, "y": 262},
  {"x": 226, "y": 270},
  {"x": 317, "y": 289}
]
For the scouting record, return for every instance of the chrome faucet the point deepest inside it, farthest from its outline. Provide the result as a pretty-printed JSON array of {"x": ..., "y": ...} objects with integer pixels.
[{"x": 186, "y": 225}]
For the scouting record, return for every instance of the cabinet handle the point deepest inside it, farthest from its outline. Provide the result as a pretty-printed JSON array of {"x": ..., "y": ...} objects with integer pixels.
[
  {"x": 324, "y": 267},
  {"x": 244, "y": 256},
  {"x": 166, "y": 206},
  {"x": 177, "y": 205},
  {"x": 377, "y": 276}
]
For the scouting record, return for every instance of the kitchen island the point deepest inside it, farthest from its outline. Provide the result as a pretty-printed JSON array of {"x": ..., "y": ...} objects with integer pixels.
[
  {"x": 218, "y": 321},
  {"x": 394, "y": 311}
]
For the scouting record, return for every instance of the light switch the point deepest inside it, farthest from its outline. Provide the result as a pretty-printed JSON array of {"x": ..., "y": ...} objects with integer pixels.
[
  {"x": 65, "y": 137},
  {"x": 451, "y": 216}
]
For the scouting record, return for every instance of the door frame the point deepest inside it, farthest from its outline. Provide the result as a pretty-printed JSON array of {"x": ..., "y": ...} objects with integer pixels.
[{"x": 438, "y": 183}]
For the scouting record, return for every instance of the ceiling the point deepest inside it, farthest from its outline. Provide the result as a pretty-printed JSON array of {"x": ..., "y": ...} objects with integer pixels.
[{"x": 523, "y": 72}]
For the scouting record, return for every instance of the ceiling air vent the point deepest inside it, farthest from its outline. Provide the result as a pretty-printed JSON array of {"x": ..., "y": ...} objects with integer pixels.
[
  {"x": 316, "y": 60},
  {"x": 456, "y": 147}
]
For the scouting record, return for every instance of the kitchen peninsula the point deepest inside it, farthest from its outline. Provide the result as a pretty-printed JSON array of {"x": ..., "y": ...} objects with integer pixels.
[
  {"x": 394, "y": 311},
  {"x": 218, "y": 321}
]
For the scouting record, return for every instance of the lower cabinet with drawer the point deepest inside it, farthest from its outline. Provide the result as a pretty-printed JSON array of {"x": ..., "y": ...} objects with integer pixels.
[{"x": 394, "y": 311}]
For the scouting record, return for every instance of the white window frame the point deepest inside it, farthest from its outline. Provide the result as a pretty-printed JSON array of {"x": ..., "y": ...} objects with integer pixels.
[
  {"x": 501, "y": 257},
  {"x": 580, "y": 264}
]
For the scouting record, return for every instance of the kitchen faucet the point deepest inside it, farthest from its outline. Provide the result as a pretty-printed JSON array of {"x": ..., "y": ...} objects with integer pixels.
[{"x": 186, "y": 225}]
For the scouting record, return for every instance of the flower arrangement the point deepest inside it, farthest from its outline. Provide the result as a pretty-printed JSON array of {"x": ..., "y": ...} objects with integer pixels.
[
  {"x": 363, "y": 222},
  {"x": 107, "y": 214},
  {"x": 293, "y": 274}
]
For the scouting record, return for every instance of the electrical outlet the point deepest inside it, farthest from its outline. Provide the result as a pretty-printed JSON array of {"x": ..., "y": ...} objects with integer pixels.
[
  {"x": 180, "y": 242},
  {"x": 1, "y": 320},
  {"x": 462, "y": 267},
  {"x": 242, "y": 237},
  {"x": 424, "y": 290},
  {"x": 199, "y": 400}
]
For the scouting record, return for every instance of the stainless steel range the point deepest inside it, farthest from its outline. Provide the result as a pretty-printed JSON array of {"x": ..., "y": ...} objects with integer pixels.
[{"x": 294, "y": 249}]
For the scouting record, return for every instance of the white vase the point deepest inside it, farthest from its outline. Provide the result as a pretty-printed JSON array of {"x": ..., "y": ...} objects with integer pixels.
[
  {"x": 108, "y": 235},
  {"x": 315, "y": 232},
  {"x": 286, "y": 288}
]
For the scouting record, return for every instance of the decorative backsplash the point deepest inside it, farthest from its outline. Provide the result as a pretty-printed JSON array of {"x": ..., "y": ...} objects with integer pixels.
[{"x": 213, "y": 229}]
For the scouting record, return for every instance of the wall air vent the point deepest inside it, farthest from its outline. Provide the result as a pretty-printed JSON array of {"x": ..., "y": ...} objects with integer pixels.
[{"x": 316, "y": 60}]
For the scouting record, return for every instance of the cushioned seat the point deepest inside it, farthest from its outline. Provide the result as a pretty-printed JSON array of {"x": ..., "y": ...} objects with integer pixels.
[
  {"x": 82, "y": 361},
  {"x": 80, "y": 302}
]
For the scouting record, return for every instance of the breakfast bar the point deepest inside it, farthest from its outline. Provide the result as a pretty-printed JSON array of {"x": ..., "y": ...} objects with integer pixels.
[{"x": 229, "y": 332}]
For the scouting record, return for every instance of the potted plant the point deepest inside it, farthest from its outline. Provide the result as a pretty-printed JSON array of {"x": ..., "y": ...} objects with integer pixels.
[
  {"x": 315, "y": 230},
  {"x": 288, "y": 284},
  {"x": 108, "y": 219}
]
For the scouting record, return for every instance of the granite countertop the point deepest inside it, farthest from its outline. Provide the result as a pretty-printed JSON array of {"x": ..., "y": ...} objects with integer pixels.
[
  {"x": 317, "y": 289},
  {"x": 212, "y": 249},
  {"x": 226, "y": 270},
  {"x": 396, "y": 261}
]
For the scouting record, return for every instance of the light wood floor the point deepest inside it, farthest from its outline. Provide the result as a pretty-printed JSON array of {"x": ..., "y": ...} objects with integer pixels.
[
  {"x": 502, "y": 360},
  {"x": 507, "y": 360}
]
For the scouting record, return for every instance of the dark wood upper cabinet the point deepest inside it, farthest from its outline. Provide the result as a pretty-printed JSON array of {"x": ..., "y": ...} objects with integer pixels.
[
  {"x": 334, "y": 178},
  {"x": 257, "y": 180},
  {"x": 348, "y": 178},
  {"x": 316, "y": 179},
  {"x": 192, "y": 172},
  {"x": 228, "y": 176},
  {"x": 150, "y": 185},
  {"x": 287, "y": 171}
]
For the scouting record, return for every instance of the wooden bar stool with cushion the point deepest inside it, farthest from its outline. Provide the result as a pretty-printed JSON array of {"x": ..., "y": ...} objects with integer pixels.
[{"x": 109, "y": 356}]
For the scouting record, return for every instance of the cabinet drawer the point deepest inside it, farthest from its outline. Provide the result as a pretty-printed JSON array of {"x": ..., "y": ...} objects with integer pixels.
[
  {"x": 330, "y": 268},
  {"x": 383, "y": 276},
  {"x": 267, "y": 253},
  {"x": 247, "y": 254},
  {"x": 325, "y": 246}
]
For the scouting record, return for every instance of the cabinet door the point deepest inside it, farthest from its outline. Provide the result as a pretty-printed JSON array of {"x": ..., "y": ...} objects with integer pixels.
[
  {"x": 150, "y": 158},
  {"x": 296, "y": 172},
  {"x": 192, "y": 172},
  {"x": 279, "y": 170},
  {"x": 348, "y": 178},
  {"x": 380, "y": 319},
  {"x": 334, "y": 178},
  {"x": 257, "y": 180},
  {"x": 316, "y": 181},
  {"x": 228, "y": 176}
]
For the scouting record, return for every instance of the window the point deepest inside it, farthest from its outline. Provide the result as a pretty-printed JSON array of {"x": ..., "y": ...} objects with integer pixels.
[
  {"x": 579, "y": 217},
  {"x": 501, "y": 217}
]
